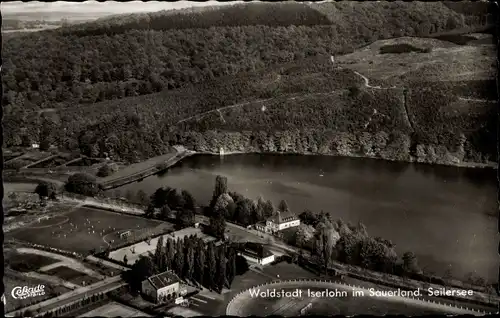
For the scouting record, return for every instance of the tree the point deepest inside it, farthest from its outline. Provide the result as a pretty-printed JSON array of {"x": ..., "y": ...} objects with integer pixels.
[
  {"x": 200, "y": 262},
  {"x": 107, "y": 170},
  {"x": 143, "y": 268},
  {"x": 159, "y": 254},
  {"x": 150, "y": 211},
  {"x": 231, "y": 266},
  {"x": 241, "y": 265},
  {"x": 283, "y": 206},
  {"x": 170, "y": 253},
  {"x": 142, "y": 197},
  {"x": 211, "y": 266},
  {"x": 175, "y": 199},
  {"x": 179, "y": 258},
  {"x": 165, "y": 212},
  {"x": 189, "y": 201},
  {"x": 129, "y": 195},
  {"x": 244, "y": 211},
  {"x": 328, "y": 238},
  {"x": 268, "y": 209},
  {"x": 160, "y": 197},
  {"x": 260, "y": 210},
  {"x": 125, "y": 259},
  {"x": 217, "y": 225},
  {"x": 82, "y": 183},
  {"x": 220, "y": 188},
  {"x": 185, "y": 217},
  {"x": 222, "y": 204},
  {"x": 46, "y": 189},
  {"x": 220, "y": 278},
  {"x": 300, "y": 238},
  {"x": 189, "y": 255},
  {"x": 410, "y": 264}
]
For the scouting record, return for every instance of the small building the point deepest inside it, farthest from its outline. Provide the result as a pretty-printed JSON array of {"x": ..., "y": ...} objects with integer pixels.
[
  {"x": 163, "y": 287},
  {"x": 35, "y": 146},
  {"x": 257, "y": 253},
  {"x": 278, "y": 222}
]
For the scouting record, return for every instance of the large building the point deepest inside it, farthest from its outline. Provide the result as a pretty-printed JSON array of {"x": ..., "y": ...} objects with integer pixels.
[
  {"x": 278, "y": 222},
  {"x": 257, "y": 253},
  {"x": 162, "y": 287}
]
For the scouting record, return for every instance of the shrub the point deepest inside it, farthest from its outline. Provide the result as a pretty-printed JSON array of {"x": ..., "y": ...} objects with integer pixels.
[
  {"x": 402, "y": 48},
  {"x": 46, "y": 190},
  {"x": 82, "y": 183},
  {"x": 107, "y": 170}
]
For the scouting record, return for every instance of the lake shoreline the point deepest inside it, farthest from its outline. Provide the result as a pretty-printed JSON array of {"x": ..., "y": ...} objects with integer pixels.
[{"x": 469, "y": 165}]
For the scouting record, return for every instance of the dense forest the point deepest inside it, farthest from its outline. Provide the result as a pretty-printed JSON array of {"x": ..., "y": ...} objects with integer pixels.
[{"x": 126, "y": 86}]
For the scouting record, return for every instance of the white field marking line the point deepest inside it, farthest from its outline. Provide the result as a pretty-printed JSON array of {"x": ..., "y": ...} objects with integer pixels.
[
  {"x": 114, "y": 232},
  {"x": 195, "y": 304},
  {"x": 200, "y": 300},
  {"x": 49, "y": 225}
]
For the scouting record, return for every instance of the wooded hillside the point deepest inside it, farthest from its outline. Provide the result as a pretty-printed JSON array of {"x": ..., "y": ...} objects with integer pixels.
[{"x": 120, "y": 86}]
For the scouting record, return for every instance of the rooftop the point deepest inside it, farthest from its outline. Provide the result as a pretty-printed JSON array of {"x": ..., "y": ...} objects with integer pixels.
[
  {"x": 256, "y": 250},
  {"x": 282, "y": 217},
  {"x": 163, "y": 279}
]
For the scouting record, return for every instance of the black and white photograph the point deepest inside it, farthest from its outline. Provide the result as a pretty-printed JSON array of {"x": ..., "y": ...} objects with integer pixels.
[{"x": 250, "y": 158}]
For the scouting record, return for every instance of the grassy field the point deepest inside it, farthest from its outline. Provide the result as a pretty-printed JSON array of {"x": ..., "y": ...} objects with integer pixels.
[
  {"x": 72, "y": 276},
  {"x": 24, "y": 262},
  {"x": 84, "y": 229},
  {"x": 445, "y": 61}
]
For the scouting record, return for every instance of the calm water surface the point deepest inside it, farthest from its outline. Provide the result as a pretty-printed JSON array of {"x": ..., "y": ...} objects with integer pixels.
[{"x": 445, "y": 215}]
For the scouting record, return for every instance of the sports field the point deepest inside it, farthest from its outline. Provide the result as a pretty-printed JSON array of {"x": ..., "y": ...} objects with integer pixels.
[
  {"x": 26, "y": 262},
  {"x": 84, "y": 229}
]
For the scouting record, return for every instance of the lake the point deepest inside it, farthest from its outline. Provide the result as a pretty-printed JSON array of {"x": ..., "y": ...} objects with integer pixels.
[{"x": 447, "y": 216}]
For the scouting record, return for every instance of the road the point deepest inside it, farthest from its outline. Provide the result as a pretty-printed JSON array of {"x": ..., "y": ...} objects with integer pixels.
[
  {"x": 76, "y": 295},
  {"x": 110, "y": 183}
]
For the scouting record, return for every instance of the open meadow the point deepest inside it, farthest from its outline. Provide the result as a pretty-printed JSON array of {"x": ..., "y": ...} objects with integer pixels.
[
  {"x": 72, "y": 276},
  {"x": 85, "y": 229}
]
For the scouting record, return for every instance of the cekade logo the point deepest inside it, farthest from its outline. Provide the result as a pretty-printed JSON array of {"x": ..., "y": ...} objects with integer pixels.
[{"x": 23, "y": 292}]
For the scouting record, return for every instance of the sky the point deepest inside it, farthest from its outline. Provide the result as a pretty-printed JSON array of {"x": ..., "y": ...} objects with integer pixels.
[{"x": 91, "y": 9}]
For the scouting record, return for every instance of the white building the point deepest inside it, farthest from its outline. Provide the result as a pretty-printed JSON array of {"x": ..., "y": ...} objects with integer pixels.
[
  {"x": 278, "y": 222},
  {"x": 257, "y": 253},
  {"x": 162, "y": 287}
]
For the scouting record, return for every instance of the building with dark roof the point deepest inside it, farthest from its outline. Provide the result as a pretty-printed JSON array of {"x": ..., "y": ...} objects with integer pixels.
[
  {"x": 162, "y": 287},
  {"x": 279, "y": 221},
  {"x": 257, "y": 253}
]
